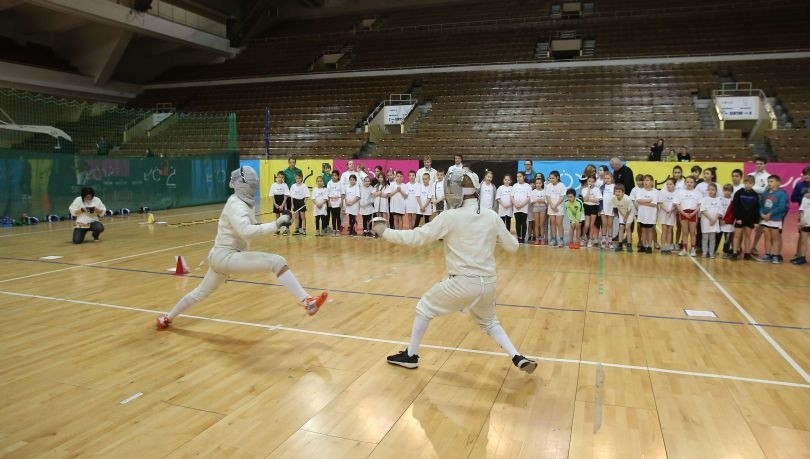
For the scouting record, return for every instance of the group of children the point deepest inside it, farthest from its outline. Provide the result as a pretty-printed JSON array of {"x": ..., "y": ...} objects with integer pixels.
[
  {"x": 360, "y": 195},
  {"x": 695, "y": 213}
]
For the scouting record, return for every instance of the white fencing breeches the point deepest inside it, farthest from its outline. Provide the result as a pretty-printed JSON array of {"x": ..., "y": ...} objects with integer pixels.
[
  {"x": 224, "y": 262},
  {"x": 457, "y": 293}
]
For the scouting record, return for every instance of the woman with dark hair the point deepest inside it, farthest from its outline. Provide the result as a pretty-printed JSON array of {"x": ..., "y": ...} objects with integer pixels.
[{"x": 87, "y": 208}]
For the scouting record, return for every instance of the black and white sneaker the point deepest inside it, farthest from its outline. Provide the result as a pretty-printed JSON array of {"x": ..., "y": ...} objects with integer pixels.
[
  {"x": 404, "y": 360},
  {"x": 524, "y": 363}
]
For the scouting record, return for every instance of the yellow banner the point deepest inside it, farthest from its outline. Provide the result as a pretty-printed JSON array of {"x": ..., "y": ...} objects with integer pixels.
[
  {"x": 663, "y": 170},
  {"x": 311, "y": 168}
]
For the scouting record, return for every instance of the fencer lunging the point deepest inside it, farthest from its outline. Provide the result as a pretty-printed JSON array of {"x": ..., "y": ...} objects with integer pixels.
[
  {"x": 469, "y": 234},
  {"x": 237, "y": 226}
]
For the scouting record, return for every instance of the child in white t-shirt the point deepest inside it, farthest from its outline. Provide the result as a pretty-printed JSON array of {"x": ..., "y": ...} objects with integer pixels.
[
  {"x": 299, "y": 193},
  {"x": 520, "y": 205},
  {"x": 726, "y": 229},
  {"x": 352, "y": 202},
  {"x": 397, "y": 195},
  {"x": 280, "y": 193},
  {"x": 366, "y": 205},
  {"x": 687, "y": 201},
  {"x": 411, "y": 206},
  {"x": 607, "y": 211},
  {"x": 487, "y": 192},
  {"x": 625, "y": 212},
  {"x": 438, "y": 192},
  {"x": 319, "y": 199},
  {"x": 591, "y": 196},
  {"x": 335, "y": 193},
  {"x": 539, "y": 208},
  {"x": 633, "y": 193},
  {"x": 667, "y": 215},
  {"x": 647, "y": 202},
  {"x": 504, "y": 197},
  {"x": 710, "y": 209},
  {"x": 424, "y": 200},
  {"x": 555, "y": 195}
]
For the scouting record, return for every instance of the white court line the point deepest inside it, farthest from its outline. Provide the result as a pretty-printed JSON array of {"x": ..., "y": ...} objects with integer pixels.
[
  {"x": 430, "y": 346},
  {"x": 105, "y": 261},
  {"x": 52, "y": 229},
  {"x": 755, "y": 324}
]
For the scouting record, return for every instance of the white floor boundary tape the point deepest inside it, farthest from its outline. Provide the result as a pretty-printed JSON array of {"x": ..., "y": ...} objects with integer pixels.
[
  {"x": 755, "y": 324},
  {"x": 429, "y": 346},
  {"x": 105, "y": 261}
]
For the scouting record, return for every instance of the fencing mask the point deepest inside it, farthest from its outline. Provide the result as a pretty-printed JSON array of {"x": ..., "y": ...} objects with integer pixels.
[
  {"x": 458, "y": 184},
  {"x": 245, "y": 184}
]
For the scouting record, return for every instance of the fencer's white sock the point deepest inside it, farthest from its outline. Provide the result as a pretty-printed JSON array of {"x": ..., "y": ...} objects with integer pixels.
[
  {"x": 181, "y": 306},
  {"x": 499, "y": 335},
  {"x": 420, "y": 326},
  {"x": 289, "y": 281}
]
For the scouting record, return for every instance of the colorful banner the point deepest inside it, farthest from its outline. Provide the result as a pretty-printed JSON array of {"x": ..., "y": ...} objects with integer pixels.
[
  {"x": 310, "y": 168},
  {"x": 661, "y": 171},
  {"x": 38, "y": 184},
  {"x": 790, "y": 173}
]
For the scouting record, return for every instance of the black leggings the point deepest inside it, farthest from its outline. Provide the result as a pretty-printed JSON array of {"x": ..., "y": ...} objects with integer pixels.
[
  {"x": 79, "y": 233},
  {"x": 520, "y": 219},
  {"x": 321, "y": 221},
  {"x": 366, "y": 222},
  {"x": 508, "y": 222},
  {"x": 352, "y": 224},
  {"x": 334, "y": 212},
  {"x": 726, "y": 245},
  {"x": 419, "y": 219}
]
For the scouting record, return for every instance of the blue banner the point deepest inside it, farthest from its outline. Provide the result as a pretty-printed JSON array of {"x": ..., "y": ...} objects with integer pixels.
[{"x": 570, "y": 171}]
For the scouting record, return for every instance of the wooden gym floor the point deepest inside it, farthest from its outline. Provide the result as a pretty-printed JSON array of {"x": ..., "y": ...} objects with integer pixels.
[{"x": 623, "y": 372}]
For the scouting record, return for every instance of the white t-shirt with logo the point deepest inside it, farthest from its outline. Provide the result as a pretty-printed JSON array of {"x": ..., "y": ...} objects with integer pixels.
[
  {"x": 487, "y": 195},
  {"x": 319, "y": 196},
  {"x": 646, "y": 214},
  {"x": 504, "y": 197},
  {"x": 299, "y": 191},
  {"x": 521, "y": 192},
  {"x": 688, "y": 199}
]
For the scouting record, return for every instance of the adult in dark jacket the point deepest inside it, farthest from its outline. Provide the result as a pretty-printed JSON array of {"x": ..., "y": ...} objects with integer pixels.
[{"x": 623, "y": 174}]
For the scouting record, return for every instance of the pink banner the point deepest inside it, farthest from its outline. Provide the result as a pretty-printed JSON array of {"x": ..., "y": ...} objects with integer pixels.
[
  {"x": 790, "y": 173},
  {"x": 403, "y": 165}
]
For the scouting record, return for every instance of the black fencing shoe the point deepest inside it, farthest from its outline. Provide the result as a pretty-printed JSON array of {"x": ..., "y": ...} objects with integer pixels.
[
  {"x": 404, "y": 360},
  {"x": 524, "y": 364}
]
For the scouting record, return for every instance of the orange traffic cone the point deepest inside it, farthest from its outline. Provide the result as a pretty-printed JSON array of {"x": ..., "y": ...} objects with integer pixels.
[{"x": 181, "y": 267}]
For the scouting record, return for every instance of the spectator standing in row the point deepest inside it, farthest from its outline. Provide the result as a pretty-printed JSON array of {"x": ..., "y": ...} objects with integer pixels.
[
  {"x": 622, "y": 174},
  {"x": 427, "y": 169},
  {"x": 290, "y": 172}
]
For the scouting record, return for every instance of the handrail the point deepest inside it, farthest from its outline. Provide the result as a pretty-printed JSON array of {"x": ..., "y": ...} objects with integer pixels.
[
  {"x": 491, "y": 63},
  {"x": 540, "y": 20}
]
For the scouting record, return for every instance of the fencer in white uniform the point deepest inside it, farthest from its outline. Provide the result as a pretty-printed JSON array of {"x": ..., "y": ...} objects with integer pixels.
[
  {"x": 230, "y": 255},
  {"x": 469, "y": 234}
]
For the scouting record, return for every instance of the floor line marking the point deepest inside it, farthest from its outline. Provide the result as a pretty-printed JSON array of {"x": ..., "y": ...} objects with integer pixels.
[
  {"x": 430, "y": 346},
  {"x": 393, "y": 295},
  {"x": 755, "y": 324},
  {"x": 105, "y": 261}
]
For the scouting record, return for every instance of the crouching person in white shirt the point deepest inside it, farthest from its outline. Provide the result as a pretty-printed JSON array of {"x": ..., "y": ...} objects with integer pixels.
[
  {"x": 237, "y": 226},
  {"x": 87, "y": 208},
  {"x": 469, "y": 234}
]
